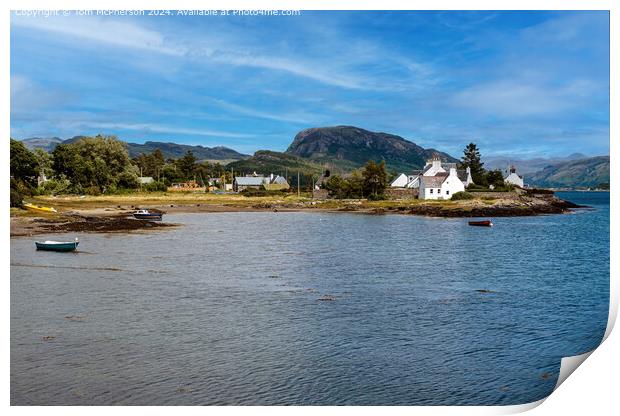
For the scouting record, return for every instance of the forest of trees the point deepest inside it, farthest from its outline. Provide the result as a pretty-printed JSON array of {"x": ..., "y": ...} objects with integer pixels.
[
  {"x": 368, "y": 182},
  {"x": 96, "y": 165}
]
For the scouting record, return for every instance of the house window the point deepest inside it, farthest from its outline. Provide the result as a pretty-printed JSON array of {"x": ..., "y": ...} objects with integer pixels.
[
  {"x": 447, "y": 192},
  {"x": 431, "y": 191}
]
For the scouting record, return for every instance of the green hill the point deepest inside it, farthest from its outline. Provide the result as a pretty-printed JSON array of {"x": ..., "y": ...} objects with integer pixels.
[
  {"x": 582, "y": 173},
  {"x": 170, "y": 150},
  {"x": 349, "y": 147}
]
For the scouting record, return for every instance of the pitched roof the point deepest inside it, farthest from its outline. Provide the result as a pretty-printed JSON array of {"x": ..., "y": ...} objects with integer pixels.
[
  {"x": 462, "y": 174},
  {"x": 434, "y": 181},
  {"x": 250, "y": 180},
  {"x": 279, "y": 180}
]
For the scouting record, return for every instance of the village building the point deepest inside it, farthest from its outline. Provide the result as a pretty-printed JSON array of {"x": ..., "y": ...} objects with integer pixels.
[
  {"x": 433, "y": 168},
  {"x": 254, "y": 181},
  {"x": 145, "y": 180},
  {"x": 442, "y": 185},
  {"x": 513, "y": 178}
]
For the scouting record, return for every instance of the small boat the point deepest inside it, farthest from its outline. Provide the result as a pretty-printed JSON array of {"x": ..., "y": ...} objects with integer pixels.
[
  {"x": 63, "y": 246},
  {"x": 36, "y": 208},
  {"x": 145, "y": 214},
  {"x": 485, "y": 223}
]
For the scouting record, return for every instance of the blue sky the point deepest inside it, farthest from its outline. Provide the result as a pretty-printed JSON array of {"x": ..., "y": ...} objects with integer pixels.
[{"x": 524, "y": 84}]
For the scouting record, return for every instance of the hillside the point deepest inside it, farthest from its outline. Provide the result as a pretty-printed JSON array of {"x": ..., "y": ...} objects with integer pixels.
[
  {"x": 266, "y": 161},
  {"x": 46, "y": 143},
  {"x": 175, "y": 151},
  {"x": 170, "y": 150},
  {"x": 350, "y": 147},
  {"x": 527, "y": 166},
  {"x": 585, "y": 173}
]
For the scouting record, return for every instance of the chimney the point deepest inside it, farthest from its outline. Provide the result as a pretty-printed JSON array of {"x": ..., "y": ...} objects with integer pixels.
[
  {"x": 436, "y": 161},
  {"x": 468, "y": 170},
  {"x": 453, "y": 171}
]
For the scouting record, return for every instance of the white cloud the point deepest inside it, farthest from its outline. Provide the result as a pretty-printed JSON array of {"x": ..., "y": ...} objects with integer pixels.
[
  {"x": 287, "y": 117},
  {"x": 158, "y": 128},
  {"x": 107, "y": 31},
  {"x": 521, "y": 98}
]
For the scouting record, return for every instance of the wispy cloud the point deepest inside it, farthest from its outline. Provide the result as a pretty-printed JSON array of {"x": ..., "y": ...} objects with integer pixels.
[
  {"x": 518, "y": 98},
  {"x": 298, "y": 118},
  {"x": 158, "y": 128},
  {"x": 106, "y": 31}
]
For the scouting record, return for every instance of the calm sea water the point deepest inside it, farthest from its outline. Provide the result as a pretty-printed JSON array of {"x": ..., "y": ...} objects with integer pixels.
[{"x": 224, "y": 310}]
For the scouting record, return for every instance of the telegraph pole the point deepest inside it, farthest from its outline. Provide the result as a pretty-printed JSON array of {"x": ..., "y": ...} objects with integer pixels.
[{"x": 298, "y": 186}]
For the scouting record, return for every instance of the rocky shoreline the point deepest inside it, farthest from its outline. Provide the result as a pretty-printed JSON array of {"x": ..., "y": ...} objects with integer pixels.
[
  {"x": 550, "y": 206},
  {"x": 119, "y": 219}
]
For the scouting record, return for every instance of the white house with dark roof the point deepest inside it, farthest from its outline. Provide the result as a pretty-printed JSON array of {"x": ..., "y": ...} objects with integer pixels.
[
  {"x": 442, "y": 185},
  {"x": 432, "y": 168},
  {"x": 513, "y": 178}
]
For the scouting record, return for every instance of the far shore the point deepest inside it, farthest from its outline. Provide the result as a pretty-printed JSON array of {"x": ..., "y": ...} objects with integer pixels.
[{"x": 112, "y": 213}]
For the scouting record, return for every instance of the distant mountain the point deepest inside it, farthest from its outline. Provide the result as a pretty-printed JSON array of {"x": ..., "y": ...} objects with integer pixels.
[
  {"x": 175, "y": 151},
  {"x": 582, "y": 173},
  {"x": 349, "y": 147},
  {"x": 170, "y": 150},
  {"x": 266, "y": 162},
  {"x": 526, "y": 166},
  {"x": 46, "y": 143}
]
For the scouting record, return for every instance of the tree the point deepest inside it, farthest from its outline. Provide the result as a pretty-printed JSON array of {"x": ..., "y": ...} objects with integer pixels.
[
  {"x": 44, "y": 160},
  {"x": 375, "y": 178},
  {"x": 24, "y": 164},
  {"x": 187, "y": 164},
  {"x": 471, "y": 159},
  {"x": 495, "y": 178},
  {"x": 94, "y": 164}
]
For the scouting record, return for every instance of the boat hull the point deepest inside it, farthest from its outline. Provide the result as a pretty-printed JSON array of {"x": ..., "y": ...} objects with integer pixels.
[
  {"x": 481, "y": 223},
  {"x": 43, "y": 210},
  {"x": 151, "y": 217},
  {"x": 60, "y": 247}
]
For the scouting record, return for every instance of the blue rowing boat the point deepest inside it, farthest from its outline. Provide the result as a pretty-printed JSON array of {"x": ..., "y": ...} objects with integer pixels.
[
  {"x": 62, "y": 246},
  {"x": 145, "y": 214}
]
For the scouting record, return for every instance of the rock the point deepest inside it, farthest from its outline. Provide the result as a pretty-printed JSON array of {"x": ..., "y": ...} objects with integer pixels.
[{"x": 327, "y": 298}]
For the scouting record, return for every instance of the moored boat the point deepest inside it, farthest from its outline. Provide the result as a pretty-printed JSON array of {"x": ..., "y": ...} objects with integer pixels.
[
  {"x": 62, "y": 246},
  {"x": 145, "y": 214},
  {"x": 37, "y": 208},
  {"x": 484, "y": 223}
]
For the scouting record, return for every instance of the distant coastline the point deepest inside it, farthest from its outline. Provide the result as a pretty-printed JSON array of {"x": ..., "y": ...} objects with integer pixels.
[{"x": 113, "y": 213}]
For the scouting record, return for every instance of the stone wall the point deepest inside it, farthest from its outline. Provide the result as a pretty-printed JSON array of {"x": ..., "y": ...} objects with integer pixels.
[
  {"x": 401, "y": 193},
  {"x": 320, "y": 194}
]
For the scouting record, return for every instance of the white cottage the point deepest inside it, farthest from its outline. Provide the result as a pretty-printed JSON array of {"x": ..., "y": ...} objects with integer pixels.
[
  {"x": 433, "y": 167},
  {"x": 513, "y": 178},
  {"x": 440, "y": 186},
  {"x": 400, "y": 181}
]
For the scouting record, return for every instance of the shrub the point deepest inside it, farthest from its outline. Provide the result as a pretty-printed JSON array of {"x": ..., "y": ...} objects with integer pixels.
[
  {"x": 377, "y": 197},
  {"x": 16, "y": 198},
  {"x": 156, "y": 186},
  {"x": 56, "y": 187},
  {"x": 92, "y": 190},
  {"x": 461, "y": 196}
]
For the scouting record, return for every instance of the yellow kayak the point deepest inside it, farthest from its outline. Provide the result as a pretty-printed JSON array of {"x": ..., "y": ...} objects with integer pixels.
[{"x": 36, "y": 208}]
